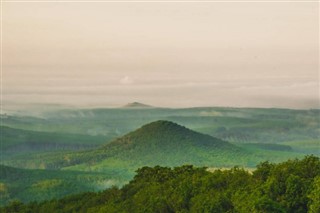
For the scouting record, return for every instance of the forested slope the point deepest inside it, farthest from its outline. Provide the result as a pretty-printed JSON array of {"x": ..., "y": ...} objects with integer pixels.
[{"x": 291, "y": 186}]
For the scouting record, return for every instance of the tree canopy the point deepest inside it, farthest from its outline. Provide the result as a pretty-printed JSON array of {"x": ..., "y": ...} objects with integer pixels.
[{"x": 291, "y": 186}]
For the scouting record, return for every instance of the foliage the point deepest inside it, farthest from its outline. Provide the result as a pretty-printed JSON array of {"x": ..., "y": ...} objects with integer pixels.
[{"x": 291, "y": 186}]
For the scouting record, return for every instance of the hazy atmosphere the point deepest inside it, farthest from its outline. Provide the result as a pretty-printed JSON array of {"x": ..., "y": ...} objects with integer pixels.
[
  {"x": 178, "y": 106},
  {"x": 162, "y": 54}
]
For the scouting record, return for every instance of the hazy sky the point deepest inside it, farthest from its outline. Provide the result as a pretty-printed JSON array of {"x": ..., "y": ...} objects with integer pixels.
[{"x": 164, "y": 54}]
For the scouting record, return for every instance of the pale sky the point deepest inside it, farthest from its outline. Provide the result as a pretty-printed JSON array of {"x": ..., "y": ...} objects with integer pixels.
[{"x": 163, "y": 54}]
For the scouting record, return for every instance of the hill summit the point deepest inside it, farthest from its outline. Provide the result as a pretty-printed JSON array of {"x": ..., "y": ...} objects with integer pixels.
[
  {"x": 167, "y": 143},
  {"x": 136, "y": 105},
  {"x": 158, "y": 143},
  {"x": 166, "y": 133}
]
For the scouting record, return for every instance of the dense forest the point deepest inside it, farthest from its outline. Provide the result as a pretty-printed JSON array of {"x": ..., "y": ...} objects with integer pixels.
[{"x": 291, "y": 186}]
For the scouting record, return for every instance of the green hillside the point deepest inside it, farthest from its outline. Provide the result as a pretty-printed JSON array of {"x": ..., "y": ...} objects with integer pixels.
[
  {"x": 161, "y": 143},
  {"x": 19, "y": 141},
  {"x": 158, "y": 143},
  {"x": 36, "y": 185},
  {"x": 238, "y": 125},
  {"x": 167, "y": 143},
  {"x": 291, "y": 186}
]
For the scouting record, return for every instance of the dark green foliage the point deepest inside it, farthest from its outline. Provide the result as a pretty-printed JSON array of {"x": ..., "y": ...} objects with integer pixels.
[
  {"x": 314, "y": 196},
  {"x": 291, "y": 186},
  {"x": 265, "y": 204},
  {"x": 289, "y": 183}
]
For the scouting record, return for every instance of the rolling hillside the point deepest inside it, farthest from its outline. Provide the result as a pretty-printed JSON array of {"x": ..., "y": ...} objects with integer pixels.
[
  {"x": 167, "y": 143},
  {"x": 36, "y": 185},
  {"x": 19, "y": 142},
  {"x": 161, "y": 143},
  {"x": 236, "y": 125},
  {"x": 158, "y": 143}
]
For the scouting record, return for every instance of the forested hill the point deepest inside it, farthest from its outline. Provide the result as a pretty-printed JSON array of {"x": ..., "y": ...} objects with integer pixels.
[
  {"x": 158, "y": 143},
  {"x": 165, "y": 136},
  {"x": 291, "y": 186},
  {"x": 168, "y": 144}
]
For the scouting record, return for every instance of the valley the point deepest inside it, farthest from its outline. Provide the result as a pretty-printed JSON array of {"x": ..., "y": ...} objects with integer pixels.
[{"x": 94, "y": 149}]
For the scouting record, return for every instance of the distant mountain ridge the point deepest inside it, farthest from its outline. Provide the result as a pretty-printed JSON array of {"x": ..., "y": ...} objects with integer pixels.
[
  {"x": 15, "y": 140},
  {"x": 137, "y": 105}
]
